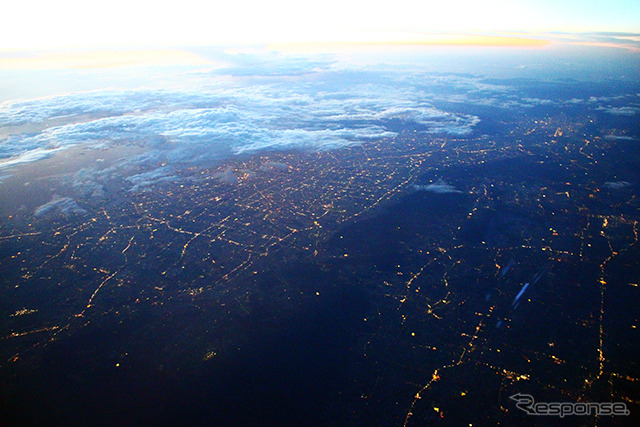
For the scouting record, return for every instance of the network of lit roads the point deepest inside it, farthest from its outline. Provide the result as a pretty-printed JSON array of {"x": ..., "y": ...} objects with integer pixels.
[{"x": 441, "y": 330}]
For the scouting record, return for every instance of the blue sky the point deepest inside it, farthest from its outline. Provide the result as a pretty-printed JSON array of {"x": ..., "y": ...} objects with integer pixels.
[{"x": 75, "y": 23}]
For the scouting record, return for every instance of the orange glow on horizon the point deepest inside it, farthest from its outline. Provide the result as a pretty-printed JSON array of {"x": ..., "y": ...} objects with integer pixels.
[
  {"x": 628, "y": 47},
  {"x": 452, "y": 40},
  {"x": 79, "y": 59}
]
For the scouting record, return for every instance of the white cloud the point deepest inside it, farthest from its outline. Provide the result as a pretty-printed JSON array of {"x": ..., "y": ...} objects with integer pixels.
[
  {"x": 616, "y": 185},
  {"x": 89, "y": 184},
  {"x": 59, "y": 206},
  {"x": 142, "y": 181},
  {"x": 620, "y": 111},
  {"x": 193, "y": 125},
  {"x": 24, "y": 155},
  {"x": 274, "y": 167},
  {"x": 620, "y": 138},
  {"x": 440, "y": 187},
  {"x": 227, "y": 176}
]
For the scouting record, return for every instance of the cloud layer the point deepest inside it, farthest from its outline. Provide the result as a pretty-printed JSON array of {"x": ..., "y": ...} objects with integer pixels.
[
  {"x": 213, "y": 121},
  {"x": 265, "y": 102}
]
